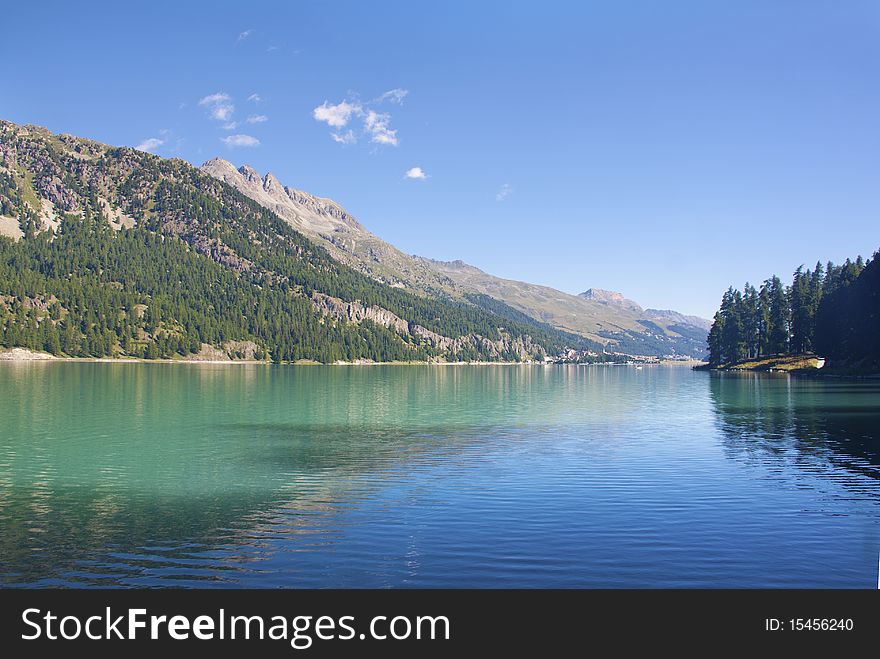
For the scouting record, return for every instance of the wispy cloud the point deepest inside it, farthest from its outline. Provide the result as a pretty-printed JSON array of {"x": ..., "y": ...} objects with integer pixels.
[
  {"x": 348, "y": 137},
  {"x": 376, "y": 125},
  {"x": 220, "y": 107},
  {"x": 150, "y": 144},
  {"x": 395, "y": 96},
  {"x": 232, "y": 125},
  {"x": 255, "y": 98},
  {"x": 240, "y": 140},
  {"x": 244, "y": 35},
  {"x": 257, "y": 119},
  {"x": 416, "y": 173},
  {"x": 504, "y": 192}
]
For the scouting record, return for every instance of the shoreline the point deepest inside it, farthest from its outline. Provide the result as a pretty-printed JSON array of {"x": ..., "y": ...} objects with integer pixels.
[
  {"x": 26, "y": 356},
  {"x": 804, "y": 366}
]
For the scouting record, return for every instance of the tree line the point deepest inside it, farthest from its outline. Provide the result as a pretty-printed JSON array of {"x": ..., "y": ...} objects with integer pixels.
[{"x": 829, "y": 310}]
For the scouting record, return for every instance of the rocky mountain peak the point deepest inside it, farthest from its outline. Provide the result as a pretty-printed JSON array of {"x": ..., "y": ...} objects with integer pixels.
[
  {"x": 219, "y": 165},
  {"x": 313, "y": 215},
  {"x": 609, "y": 297},
  {"x": 602, "y": 295},
  {"x": 250, "y": 174},
  {"x": 271, "y": 184},
  {"x": 217, "y": 161}
]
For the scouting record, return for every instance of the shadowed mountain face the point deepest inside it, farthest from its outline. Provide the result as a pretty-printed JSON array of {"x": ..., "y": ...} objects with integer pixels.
[{"x": 605, "y": 317}]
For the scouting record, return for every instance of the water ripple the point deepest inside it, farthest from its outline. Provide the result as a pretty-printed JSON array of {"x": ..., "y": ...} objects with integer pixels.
[{"x": 183, "y": 476}]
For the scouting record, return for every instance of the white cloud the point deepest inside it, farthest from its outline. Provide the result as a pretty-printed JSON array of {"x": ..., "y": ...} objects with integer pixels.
[
  {"x": 150, "y": 144},
  {"x": 254, "y": 98},
  {"x": 504, "y": 192},
  {"x": 376, "y": 124},
  {"x": 240, "y": 140},
  {"x": 394, "y": 95},
  {"x": 219, "y": 106},
  {"x": 348, "y": 137},
  {"x": 337, "y": 115},
  {"x": 257, "y": 119},
  {"x": 416, "y": 173},
  {"x": 211, "y": 99},
  {"x": 244, "y": 35},
  {"x": 232, "y": 125}
]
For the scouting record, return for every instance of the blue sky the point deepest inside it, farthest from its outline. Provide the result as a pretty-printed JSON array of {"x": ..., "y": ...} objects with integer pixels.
[{"x": 664, "y": 150}]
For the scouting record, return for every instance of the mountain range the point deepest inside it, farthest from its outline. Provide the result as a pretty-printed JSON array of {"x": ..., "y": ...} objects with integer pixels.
[
  {"x": 116, "y": 252},
  {"x": 605, "y": 317}
]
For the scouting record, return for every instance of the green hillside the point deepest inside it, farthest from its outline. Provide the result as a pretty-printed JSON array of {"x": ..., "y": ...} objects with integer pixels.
[{"x": 127, "y": 254}]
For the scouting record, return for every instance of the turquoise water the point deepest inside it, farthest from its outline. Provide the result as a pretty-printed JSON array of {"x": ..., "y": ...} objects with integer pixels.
[{"x": 405, "y": 476}]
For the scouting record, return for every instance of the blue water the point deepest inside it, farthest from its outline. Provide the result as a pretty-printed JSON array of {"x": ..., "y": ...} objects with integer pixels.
[{"x": 443, "y": 476}]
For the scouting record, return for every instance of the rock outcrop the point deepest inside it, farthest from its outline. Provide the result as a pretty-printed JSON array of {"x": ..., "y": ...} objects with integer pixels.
[
  {"x": 355, "y": 312},
  {"x": 523, "y": 348}
]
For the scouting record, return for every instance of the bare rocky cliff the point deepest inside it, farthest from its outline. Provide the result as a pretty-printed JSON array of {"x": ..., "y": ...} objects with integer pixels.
[{"x": 523, "y": 348}]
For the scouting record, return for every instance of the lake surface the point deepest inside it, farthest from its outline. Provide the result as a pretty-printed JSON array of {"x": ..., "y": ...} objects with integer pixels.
[{"x": 456, "y": 476}]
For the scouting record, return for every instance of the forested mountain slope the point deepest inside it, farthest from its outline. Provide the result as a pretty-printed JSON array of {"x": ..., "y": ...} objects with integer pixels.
[{"x": 113, "y": 252}]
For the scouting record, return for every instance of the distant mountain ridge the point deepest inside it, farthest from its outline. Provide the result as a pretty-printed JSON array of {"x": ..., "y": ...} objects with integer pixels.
[
  {"x": 668, "y": 315},
  {"x": 682, "y": 319},
  {"x": 605, "y": 317}
]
